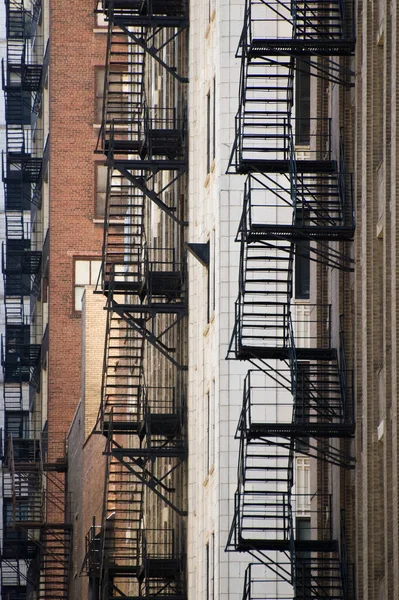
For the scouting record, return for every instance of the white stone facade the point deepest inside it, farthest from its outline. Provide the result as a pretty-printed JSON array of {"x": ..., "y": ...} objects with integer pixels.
[{"x": 215, "y": 385}]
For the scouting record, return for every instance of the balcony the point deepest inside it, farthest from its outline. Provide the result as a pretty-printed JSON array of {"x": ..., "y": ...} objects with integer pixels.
[
  {"x": 306, "y": 206},
  {"x": 20, "y": 357},
  {"x": 154, "y": 138},
  {"x": 147, "y": 12},
  {"x": 299, "y": 27}
]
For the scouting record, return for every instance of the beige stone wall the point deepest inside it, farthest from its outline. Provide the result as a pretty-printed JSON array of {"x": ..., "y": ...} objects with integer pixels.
[
  {"x": 93, "y": 336},
  {"x": 86, "y": 462}
]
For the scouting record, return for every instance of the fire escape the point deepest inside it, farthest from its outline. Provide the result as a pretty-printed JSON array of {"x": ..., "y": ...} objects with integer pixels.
[
  {"x": 298, "y": 398},
  {"x": 34, "y": 552},
  {"x": 142, "y": 412}
]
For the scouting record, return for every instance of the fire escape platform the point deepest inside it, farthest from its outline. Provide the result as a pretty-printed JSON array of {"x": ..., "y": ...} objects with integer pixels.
[
  {"x": 260, "y": 47},
  {"x": 261, "y": 231},
  {"x": 305, "y": 429},
  {"x": 246, "y": 545},
  {"x": 244, "y": 352},
  {"x": 248, "y": 165}
]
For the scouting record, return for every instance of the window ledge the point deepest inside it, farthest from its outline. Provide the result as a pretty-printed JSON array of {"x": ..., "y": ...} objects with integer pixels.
[{"x": 101, "y": 221}]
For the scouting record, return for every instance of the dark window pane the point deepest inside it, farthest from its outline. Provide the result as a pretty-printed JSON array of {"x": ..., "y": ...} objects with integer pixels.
[{"x": 302, "y": 103}]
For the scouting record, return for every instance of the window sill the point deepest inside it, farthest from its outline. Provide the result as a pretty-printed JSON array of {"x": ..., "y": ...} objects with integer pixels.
[{"x": 101, "y": 221}]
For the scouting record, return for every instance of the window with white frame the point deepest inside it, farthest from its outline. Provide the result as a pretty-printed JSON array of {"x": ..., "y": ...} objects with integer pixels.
[
  {"x": 100, "y": 17},
  {"x": 86, "y": 273},
  {"x": 100, "y": 82},
  {"x": 101, "y": 190}
]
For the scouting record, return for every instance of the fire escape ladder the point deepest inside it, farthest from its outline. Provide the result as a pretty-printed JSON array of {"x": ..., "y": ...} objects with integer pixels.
[
  {"x": 322, "y": 25},
  {"x": 123, "y": 235},
  {"x": 148, "y": 184},
  {"x": 158, "y": 326},
  {"x": 139, "y": 134},
  {"x": 122, "y": 375},
  {"x": 262, "y": 519},
  {"x": 153, "y": 26},
  {"x": 153, "y": 40},
  {"x": 123, "y": 90},
  {"x": 162, "y": 573},
  {"x": 151, "y": 437},
  {"x": 56, "y": 544},
  {"x": 265, "y": 290},
  {"x": 263, "y": 121},
  {"x": 12, "y": 395},
  {"x": 317, "y": 576},
  {"x": 114, "y": 552}
]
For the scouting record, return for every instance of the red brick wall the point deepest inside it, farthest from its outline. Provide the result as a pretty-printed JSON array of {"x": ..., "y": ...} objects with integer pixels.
[{"x": 75, "y": 51}]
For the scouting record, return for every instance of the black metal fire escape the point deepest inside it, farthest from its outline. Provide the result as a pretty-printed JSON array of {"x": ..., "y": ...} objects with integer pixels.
[
  {"x": 297, "y": 207},
  {"x": 145, "y": 284},
  {"x": 34, "y": 485},
  {"x": 34, "y": 553}
]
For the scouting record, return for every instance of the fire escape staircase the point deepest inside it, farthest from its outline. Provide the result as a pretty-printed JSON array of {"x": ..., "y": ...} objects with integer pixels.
[
  {"x": 138, "y": 138},
  {"x": 145, "y": 285},
  {"x": 299, "y": 27},
  {"x": 151, "y": 432},
  {"x": 142, "y": 21},
  {"x": 297, "y": 205},
  {"x": 33, "y": 485}
]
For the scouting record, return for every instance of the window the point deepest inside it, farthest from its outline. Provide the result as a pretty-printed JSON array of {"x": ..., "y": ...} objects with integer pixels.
[
  {"x": 304, "y": 578},
  {"x": 302, "y": 103},
  {"x": 302, "y": 261},
  {"x": 214, "y": 120},
  {"x": 210, "y": 428},
  {"x": 100, "y": 78},
  {"x": 210, "y": 567},
  {"x": 211, "y": 301},
  {"x": 210, "y": 127},
  {"x": 208, "y": 132},
  {"x": 302, "y": 270},
  {"x": 302, "y": 485},
  {"x": 100, "y": 17},
  {"x": 86, "y": 273},
  {"x": 304, "y": 395},
  {"x": 101, "y": 190}
]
